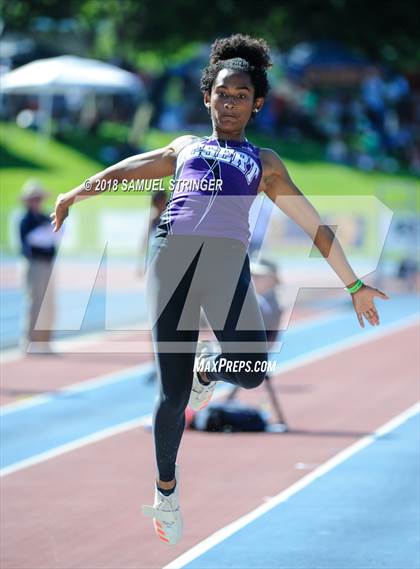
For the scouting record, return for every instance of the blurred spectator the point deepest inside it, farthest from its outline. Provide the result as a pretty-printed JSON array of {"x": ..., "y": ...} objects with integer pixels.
[
  {"x": 259, "y": 222},
  {"x": 371, "y": 122},
  {"x": 337, "y": 151},
  {"x": 266, "y": 281},
  {"x": 408, "y": 273},
  {"x": 373, "y": 96},
  {"x": 38, "y": 247},
  {"x": 159, "y": 203},
  {"x": 371, "y": 125}
]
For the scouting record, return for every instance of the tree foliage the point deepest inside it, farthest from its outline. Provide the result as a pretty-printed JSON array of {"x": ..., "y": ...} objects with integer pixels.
[{"x": 386, "y": 30}]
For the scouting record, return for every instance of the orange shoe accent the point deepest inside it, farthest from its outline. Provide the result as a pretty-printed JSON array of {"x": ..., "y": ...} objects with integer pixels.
[
  {"x": 163, "y": 539},
  {"x": 161, "y": 532}
]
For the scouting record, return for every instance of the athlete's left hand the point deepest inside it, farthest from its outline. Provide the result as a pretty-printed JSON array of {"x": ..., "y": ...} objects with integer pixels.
[{"x": 364, "y": 305}]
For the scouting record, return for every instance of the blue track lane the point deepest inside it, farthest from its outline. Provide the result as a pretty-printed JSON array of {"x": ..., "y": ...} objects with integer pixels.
[
  {"x": 363, "y": 514},
  {"x": 71, "y": 415},
  {"x": 66, "y": 416}
]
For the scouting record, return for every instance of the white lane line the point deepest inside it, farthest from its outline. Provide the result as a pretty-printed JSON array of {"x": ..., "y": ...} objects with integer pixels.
[
  {"x": 314, "y": 355},
  {"x": 78, "y": 443},
  {"x": 87, "y": 440},
  {"x": 74, "y": 342},
  {"x": 84, "y": 441},
  {"x": 235, "y": 526},
  {"x": 375, "y": 333},
  {"x": 86, "y": 385},
  {"x": 83, "y": 340},
  {"x": 120, "y": 375}
]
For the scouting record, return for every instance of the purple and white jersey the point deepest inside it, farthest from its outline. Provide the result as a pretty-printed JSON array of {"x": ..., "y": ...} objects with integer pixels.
[{"x": 214, "y": 186}]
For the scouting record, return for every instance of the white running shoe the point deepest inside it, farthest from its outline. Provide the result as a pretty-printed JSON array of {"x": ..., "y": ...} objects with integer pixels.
[
  {"x": 201, "y": 394},
  {"x": 166, "y": 514}
]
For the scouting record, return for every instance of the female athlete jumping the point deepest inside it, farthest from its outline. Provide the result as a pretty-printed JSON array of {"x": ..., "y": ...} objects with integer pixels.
[{"x": 199, "y": 257}]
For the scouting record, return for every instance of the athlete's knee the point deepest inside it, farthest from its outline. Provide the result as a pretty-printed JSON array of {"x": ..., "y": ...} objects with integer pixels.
[
  {"x": 251, "y": 380},
  {"x": 254, "y": 371}
]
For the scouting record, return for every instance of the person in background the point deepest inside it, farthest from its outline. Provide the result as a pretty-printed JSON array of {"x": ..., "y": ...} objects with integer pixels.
[
  {"x": 159, "y": 203},
  {"x": 373, "y": 97},
  {"x": 259, "y": 219},
  {"x": 266, "y": 281},
  {"x": 38, "y": 247}
]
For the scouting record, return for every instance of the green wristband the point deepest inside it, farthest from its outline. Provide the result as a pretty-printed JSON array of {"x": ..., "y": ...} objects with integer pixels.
[{"x": 357, "y": 286}]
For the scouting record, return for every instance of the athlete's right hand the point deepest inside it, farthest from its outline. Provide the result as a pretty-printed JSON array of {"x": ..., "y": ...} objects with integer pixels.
[{"x": 60, "y": 213}]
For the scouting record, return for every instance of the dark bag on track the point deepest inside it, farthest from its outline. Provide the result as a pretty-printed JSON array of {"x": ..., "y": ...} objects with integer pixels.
[{"x": 229, "y": 417}]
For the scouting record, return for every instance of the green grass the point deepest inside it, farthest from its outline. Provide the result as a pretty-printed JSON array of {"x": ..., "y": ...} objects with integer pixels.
[{"x": 62, "y": 165}]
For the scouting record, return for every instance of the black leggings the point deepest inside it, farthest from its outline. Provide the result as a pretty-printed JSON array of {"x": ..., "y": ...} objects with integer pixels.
[{"x": 185, "y": 274}]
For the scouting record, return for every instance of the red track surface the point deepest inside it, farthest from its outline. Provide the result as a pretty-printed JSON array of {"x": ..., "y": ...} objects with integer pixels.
[{"x": 82, "y": 510}]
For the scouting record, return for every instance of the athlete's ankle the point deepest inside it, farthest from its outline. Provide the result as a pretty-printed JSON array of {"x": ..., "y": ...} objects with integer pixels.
[
  {"x": 166, "y": 487},
  {"x": 166, "y": 491}
]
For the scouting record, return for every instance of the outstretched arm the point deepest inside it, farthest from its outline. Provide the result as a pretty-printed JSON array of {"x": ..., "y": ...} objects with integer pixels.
[
  {"x": 279, "y": 187},
  {"x": 149, "y": 165}
]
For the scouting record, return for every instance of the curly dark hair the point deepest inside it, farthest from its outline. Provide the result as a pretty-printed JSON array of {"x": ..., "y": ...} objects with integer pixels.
[{"x": 241, "y": 53}]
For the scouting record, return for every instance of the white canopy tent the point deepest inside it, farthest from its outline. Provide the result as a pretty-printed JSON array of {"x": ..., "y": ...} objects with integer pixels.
[{"x": 65, "y": 74}]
